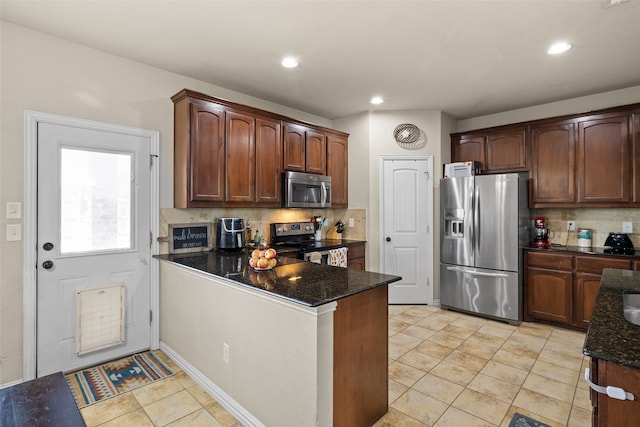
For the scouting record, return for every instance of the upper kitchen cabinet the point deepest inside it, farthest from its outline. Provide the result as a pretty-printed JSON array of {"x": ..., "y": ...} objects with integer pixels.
[
  {"x": 506, "y": 151},
  {"x": 199, "y": 153},
  {"x": 603, "y": 160},
  {"x": 268, "y": 161},
  {"x": 337, "y": 169},
  {"x": 231, "y": 155},
  {"x": 466, "y": 148},
  {"x": 553, "y": 162},
  {"x": 635, "y": 157},
  {"x": 498, "y": 151},
  {"x": 304, "y": 149}
]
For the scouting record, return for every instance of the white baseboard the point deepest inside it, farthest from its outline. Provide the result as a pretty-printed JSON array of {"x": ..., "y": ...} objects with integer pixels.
[{"x": 244, "y": 416}]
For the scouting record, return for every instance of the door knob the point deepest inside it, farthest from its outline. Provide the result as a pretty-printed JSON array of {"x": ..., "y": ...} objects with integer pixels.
[
  {"x": 47, "y": 265},
  {"x": 388, "y": 239},
  {"x": 47, "y": 246}
]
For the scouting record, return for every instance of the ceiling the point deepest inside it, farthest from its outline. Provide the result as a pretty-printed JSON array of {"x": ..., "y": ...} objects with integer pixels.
[{"x": 466, "y": 58}]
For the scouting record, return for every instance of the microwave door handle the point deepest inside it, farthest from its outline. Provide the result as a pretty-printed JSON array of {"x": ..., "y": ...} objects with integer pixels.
[{"x": 324, "y": 194}]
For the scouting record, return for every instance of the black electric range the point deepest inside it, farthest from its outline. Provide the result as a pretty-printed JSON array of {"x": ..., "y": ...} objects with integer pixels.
[{"x": 299, "y": 236}]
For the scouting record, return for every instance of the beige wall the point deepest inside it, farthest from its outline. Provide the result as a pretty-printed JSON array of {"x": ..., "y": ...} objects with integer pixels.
[
  {"x": 47, "y": 74},
  {"x": 570, "y": 106}
]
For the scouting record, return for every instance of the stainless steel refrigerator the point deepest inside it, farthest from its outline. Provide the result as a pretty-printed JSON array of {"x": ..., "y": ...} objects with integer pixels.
[{"x": 484, "y": 223}]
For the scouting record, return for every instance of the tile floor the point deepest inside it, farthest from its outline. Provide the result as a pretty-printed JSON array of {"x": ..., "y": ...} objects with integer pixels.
[{"x": 445, "y": 369}]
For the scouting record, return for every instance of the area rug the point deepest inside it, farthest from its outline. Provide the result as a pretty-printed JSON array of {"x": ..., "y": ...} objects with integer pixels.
[
  {"x": 101, "y": 382},
  {"x": 520, "y": 420}
]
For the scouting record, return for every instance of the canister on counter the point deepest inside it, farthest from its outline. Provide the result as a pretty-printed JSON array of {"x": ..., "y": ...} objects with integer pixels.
[{"x": 584, "y": 237}]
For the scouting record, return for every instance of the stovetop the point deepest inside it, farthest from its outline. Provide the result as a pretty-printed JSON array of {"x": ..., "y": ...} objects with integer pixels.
[
  {"x": 300, "y": 235},
  {"x": 310, "y": 245}
]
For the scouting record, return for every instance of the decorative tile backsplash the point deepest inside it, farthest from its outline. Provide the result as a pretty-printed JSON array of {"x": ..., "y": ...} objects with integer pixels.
[
  {"x": 600, "y": 221},
  {"x": 259, "y": 219}
]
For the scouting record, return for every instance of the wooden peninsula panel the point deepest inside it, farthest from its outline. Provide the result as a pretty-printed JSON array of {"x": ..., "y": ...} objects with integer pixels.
[{"x": 360, "y": 359}]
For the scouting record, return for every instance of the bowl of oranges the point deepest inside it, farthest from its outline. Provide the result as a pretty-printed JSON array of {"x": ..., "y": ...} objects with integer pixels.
[{"x": 263, "y": 259}]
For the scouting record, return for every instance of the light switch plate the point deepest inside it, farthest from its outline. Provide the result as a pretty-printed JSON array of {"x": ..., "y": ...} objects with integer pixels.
[
  {"x": 14, "y": 210},
  {"x": 352, "y": 223},
  {"x": 627, "y": 227},
  {"x": 14, "y": 232}
]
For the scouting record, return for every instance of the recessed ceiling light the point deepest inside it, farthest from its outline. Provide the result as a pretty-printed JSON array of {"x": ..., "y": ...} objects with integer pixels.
[
  {"x": 376, "y": 100},
  {"x": 289, "y": 62},
  {"x": 559, "y": 47}
]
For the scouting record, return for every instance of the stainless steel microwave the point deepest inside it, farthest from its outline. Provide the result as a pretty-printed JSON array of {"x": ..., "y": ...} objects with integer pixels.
[{"x": 306, "y": 190}]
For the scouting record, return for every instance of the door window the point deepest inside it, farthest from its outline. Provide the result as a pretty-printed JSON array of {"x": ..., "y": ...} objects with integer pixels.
[{"x": 96, "y": 201}]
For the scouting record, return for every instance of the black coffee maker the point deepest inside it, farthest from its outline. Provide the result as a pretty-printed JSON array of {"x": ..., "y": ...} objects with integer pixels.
[{"x": 619, "y": 243}]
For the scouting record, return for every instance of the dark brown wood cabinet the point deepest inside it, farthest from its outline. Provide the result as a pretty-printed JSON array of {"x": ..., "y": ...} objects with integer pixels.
[
  {"x": 506, "y": 151},
  {"x": 497, "y": 151},
  {"x": 553, "y": 162},
  {"x": 610, "y": 412},
  {"x": 231, "y": 155},
  {"x": 603, "y": 163},
  {"x": 240, "y": 158},
  {"x": 549, "y": 284},
  {"x": 562, "y": 288},
  {"x": 468, "y": 148},
  {"x": 305, "y": 149},
  {"x": 356, "y": 256},
  {"x": 635, "y": 158},
  {"x": 337, "y": 169},
  {"x": 268, "y": 162}
]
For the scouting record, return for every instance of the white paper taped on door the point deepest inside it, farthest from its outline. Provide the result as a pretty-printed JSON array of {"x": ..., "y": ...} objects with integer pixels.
[{"x": 99, "y": 317}]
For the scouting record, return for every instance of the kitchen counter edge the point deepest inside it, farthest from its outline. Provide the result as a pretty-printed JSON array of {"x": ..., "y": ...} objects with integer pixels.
[
  {"x": 315, "y": 284},
  {"x": 610, "y": 336}
]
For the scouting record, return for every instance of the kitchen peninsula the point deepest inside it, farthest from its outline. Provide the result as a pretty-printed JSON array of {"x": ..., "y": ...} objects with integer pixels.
[{"x": 300, "y": 345}]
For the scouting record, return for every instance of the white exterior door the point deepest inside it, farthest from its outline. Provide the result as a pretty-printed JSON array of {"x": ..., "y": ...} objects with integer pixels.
[
  {"x": 93, "y": 246},
  {"x": 407, "y": 228}
]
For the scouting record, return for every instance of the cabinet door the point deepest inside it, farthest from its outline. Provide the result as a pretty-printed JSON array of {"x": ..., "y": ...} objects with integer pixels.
[
  {"x": 268, "y": 162},
  {"x": 613, "y": 412},
  {"x": 294, "y": 147},
  {"x": 553, "y": 162},
  {"x": 603, "y": 160},
  {"x": 337, "y": 169},
  {"x": 506, "y": 151},
  {"x": 635, "y": 159},
  {"x": 207, "y": 153},
  {"x": 240, "y": 158},
  {"x": 315, "y": 152},
  {"x": 468, "y": 148},
  {"x": 356, "y": 257},
  {"x": 586, "y": 290},
  {"x": 549, "y": 295}
]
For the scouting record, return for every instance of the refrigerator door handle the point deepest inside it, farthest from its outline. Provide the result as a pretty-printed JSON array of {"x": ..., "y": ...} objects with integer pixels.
[{"x": 477, "y": 273}]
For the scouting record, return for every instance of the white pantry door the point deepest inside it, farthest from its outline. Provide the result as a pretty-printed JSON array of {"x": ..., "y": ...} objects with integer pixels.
[
  {"x": 407, "y": 228},
  {"x": 93, "y": 230}
]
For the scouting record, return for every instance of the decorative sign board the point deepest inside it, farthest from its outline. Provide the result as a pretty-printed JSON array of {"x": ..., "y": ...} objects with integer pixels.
[{"x": 190, "y": 237}]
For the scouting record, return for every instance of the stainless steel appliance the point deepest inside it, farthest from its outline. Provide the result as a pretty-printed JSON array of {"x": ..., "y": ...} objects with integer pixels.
[
  {"x": 484, "y": 223},
  {"x": 619, "y": 243},
  {"x": 300, "y": 237},
  {"x": 230, "y": 234},
  {"x": 306, "y": 190}
]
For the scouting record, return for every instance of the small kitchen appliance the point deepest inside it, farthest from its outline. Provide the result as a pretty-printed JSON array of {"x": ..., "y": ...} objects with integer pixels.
[
  {"x": 619, "y": 243},
  {"x": 540, "y": 233},
  {"x": 230, "y": 234}
]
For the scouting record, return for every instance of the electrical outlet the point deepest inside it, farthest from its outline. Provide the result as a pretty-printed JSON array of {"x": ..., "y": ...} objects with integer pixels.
[
  {"x": 627, "y": 227},
  {"x": 225, "y": 353},
  {"x": 352, "y": 223},
  {"x": 571, "y": 226}
]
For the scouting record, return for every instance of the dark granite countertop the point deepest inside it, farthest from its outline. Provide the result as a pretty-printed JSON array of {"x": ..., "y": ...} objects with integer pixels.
[
  {"x": 610, "y": 336},
  {"x": 302, "y": 282},
  {"x": 577, "y": 250}
]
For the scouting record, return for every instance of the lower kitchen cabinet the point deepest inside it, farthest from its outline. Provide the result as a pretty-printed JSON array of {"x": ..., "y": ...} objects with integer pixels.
[
  {"x": 356, "y": 256},
  {"x": 562, "y": 288},
  {"x": 610, "y": 412}
]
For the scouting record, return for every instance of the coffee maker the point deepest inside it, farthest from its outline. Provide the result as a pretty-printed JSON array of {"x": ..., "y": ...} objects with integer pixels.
[{"x": 540, "y": 233}]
